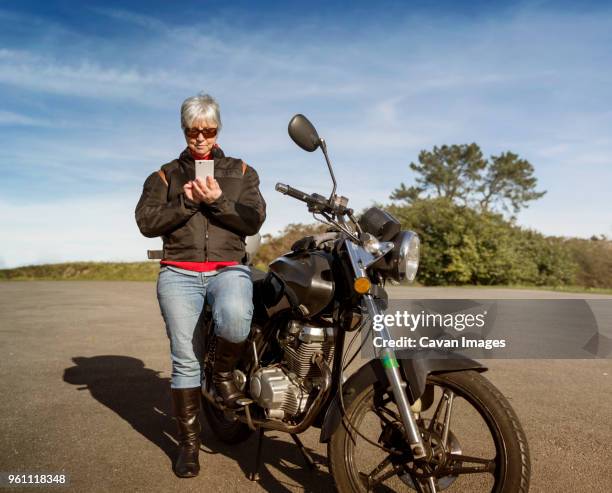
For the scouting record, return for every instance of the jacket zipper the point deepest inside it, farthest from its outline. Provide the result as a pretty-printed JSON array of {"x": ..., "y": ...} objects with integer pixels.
[{"x": 206, "y": 240}]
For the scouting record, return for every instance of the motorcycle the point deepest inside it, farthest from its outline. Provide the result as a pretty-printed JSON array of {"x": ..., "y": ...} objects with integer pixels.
[{"x": 395, "y": 423}]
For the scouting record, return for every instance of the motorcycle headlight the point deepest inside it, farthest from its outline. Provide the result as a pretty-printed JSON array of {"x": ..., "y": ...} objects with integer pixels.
[
  {"x": 402, "y": 262},
  {"x": 407, "y": 253}
]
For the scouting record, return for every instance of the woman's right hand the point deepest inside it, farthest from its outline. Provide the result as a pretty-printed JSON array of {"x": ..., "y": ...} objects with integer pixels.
[
  {"x": 188, "y": 189},
  {"x": 202, "y": 191}
]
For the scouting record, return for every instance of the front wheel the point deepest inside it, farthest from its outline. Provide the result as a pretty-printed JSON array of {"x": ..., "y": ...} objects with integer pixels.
[{"x": 475, "y": 441}]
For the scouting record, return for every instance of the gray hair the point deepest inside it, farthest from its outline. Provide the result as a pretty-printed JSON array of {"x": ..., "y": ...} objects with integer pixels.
[{"x": 200, "y": 107}]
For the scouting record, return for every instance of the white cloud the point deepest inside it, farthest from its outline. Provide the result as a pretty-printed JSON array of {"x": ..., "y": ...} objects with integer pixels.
[
  {"x": 85, "y": 78},
  {"x": 10, "y": 118},
  {"x": 140, "y": 20}
]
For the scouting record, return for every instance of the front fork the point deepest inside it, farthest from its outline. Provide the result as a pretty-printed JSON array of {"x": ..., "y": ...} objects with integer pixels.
[
  {"x": 397, "y": 384},
  {"x": 360, "y": 260}
]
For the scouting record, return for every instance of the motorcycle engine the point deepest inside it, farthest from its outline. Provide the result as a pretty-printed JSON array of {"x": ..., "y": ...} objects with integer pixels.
[{"x": 283, "y": 389}]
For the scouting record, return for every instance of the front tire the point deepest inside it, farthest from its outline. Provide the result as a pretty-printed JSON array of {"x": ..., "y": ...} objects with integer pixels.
[{"x": 484, "y": 412}]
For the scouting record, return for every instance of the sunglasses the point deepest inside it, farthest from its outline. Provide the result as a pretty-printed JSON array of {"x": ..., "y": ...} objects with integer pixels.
[{"x": 206, "y": 132}]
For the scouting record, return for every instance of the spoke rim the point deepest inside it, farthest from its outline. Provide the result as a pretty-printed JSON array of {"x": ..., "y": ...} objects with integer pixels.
[
  {"x": 455, "y": 464},
  {"x": 456, "y": 467}
]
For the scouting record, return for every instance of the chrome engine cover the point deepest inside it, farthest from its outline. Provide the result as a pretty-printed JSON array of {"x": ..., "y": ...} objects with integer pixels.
[{"x": 273, "y": 390}]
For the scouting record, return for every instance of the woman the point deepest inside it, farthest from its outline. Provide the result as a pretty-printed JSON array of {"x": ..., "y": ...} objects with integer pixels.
[{"x": 203, "y": 224}]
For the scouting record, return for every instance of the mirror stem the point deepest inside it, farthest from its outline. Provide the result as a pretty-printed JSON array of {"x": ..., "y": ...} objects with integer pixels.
[{"x": 331, "y": 171}]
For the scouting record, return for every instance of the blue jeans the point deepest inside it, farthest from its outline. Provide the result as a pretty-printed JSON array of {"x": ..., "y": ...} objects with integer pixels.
[{"x": 182, "y": 295}]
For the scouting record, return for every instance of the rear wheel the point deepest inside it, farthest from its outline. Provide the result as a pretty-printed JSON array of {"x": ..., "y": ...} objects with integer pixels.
[
  {"x": 226, "y": 428},
  {"x": 474, "y": 438}
]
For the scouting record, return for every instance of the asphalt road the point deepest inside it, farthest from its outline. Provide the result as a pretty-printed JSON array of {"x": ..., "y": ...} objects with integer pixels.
[{"x": 85, "y": 392}]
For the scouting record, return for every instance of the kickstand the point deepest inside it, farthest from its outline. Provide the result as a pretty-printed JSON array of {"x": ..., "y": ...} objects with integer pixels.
[
  {"x": 254, "y": 476},
  {"x": 312, "y": 465}
]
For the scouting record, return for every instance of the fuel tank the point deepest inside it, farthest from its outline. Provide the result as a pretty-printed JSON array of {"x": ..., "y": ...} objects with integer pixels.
[{"x": 307, "y": 280}]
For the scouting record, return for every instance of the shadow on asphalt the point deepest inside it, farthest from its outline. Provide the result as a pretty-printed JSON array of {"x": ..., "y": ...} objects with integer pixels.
[
  {"x": 134, "y": 392},
  {"x": 138, "y": 395}
]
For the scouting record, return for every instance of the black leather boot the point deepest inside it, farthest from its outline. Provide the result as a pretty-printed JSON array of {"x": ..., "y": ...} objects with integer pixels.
[
  {"x": 227, "y": 355},
  {"x": 187, "y": 412}
]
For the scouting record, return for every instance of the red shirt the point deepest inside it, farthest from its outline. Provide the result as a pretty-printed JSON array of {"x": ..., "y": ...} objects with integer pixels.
[{"x": 199, "y": 266}]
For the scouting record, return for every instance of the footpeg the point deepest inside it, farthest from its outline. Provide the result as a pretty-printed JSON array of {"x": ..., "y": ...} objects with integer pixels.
[{"x": 240, "y": 403}]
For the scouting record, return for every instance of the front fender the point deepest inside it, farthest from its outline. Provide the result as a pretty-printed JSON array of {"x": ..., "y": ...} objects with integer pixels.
[{"x": 415, "y": 372}]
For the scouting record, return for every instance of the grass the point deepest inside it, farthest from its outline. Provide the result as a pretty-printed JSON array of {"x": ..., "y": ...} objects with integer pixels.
[
  {"x": 84, "y": 271},
  {"x": 565, "y": 289},
  {"x": 147, "y": 271}
]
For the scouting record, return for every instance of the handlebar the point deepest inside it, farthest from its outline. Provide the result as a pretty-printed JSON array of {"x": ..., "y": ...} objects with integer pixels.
[{"x": 315, "y": 202}]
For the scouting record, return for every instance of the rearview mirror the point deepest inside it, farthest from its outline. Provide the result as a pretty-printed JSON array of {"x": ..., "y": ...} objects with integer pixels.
[{"x": 303, "y": 133}]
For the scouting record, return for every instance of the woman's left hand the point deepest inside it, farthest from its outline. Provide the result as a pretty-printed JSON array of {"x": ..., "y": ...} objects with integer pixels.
[{"x": 206, "y": 191}]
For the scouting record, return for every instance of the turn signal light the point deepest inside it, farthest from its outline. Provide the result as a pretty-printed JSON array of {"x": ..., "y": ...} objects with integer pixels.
[{"x": 362, "y": 285}]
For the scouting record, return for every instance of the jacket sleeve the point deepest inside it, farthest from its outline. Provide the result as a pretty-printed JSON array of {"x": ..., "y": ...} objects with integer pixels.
[
  {"x": 246, "y": 215},
  {"x": 155, "y": 215}
]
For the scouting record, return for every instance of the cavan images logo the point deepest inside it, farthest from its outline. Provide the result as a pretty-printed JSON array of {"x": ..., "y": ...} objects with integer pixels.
[{"x": 429, "y": 330}]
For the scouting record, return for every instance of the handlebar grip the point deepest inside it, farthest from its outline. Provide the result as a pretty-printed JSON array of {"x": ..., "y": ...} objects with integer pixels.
[
  {"x": 314, "y": 201},
  {"x": 292, "y": 192},
  {"x": 281, "y": 187}
]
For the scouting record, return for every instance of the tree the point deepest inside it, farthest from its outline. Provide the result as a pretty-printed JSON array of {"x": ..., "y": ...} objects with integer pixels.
[
  {"x": 508, "y": 181},
  {"x": 460, "y": 173}
]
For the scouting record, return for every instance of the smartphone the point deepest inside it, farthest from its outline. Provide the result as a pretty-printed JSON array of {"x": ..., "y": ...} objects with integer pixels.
[{"x": 204, "y": 168}]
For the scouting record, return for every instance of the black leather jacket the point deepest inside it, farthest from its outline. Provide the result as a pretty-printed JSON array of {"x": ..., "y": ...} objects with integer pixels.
[{"x": 202, "y": 232}]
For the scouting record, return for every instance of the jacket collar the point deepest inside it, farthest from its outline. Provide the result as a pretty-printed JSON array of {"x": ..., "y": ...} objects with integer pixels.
[{"x": 187, "y": 159}]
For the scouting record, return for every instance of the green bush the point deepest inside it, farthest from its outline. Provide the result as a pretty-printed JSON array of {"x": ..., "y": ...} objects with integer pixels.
[
  {"x": 463, "y": 246},
  {"x": 594, "y": 260}
]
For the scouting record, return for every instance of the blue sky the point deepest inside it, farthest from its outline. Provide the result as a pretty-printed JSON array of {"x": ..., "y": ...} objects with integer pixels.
[{"x": 90, "y": 95}]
